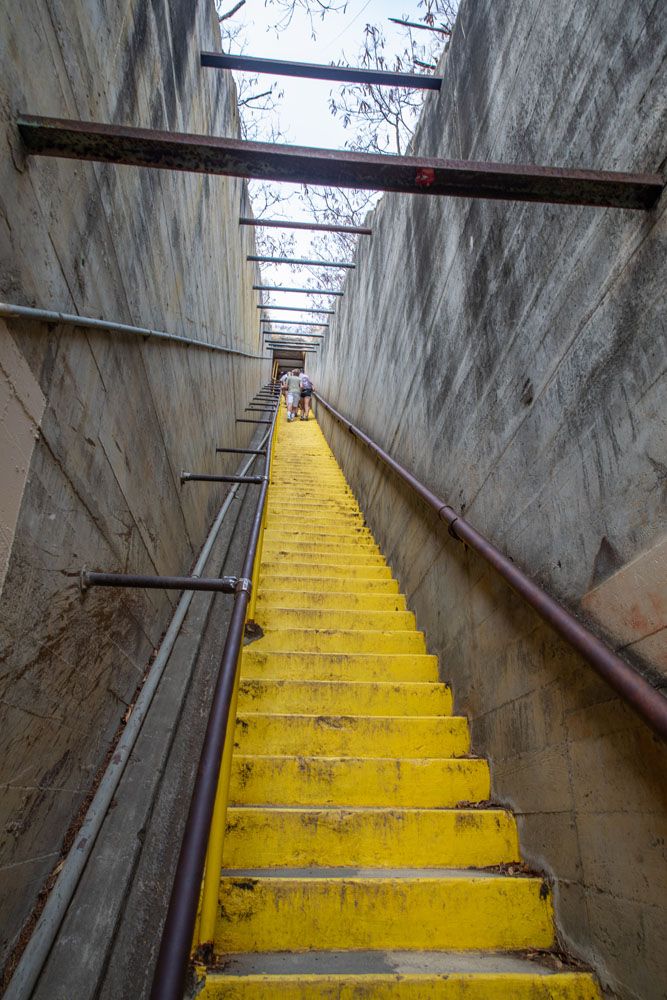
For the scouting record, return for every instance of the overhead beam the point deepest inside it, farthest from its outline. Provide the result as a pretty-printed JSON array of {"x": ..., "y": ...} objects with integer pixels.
[
  {"x": 121, "y": 144},
  {"x": 319, "y": 227},
  {"x": 297, "y": 260},
  {"x": 291, "y": 348},
  {"x": 299, "y": 309},
  {"x": 318, "y": 71},
  {"x": 292, "y": 322},
  {"x": 304, "y": 291}
]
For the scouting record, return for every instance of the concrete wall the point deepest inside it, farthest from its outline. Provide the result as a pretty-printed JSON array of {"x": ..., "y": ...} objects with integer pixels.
[
  {"x": 513, "y": 357},
  {"x": 96, "y": 427}
]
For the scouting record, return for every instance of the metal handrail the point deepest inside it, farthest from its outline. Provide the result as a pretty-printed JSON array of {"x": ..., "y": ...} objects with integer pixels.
[
  {"x": 646, "y": 700},
  {"x": 177, "y": 935},
  {"x": 9, "y": 310}
]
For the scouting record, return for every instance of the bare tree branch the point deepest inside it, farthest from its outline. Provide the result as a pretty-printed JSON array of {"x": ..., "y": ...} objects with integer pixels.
[
  {"x": 416, "y": 24},
  {"x": 230, "y": 13}
]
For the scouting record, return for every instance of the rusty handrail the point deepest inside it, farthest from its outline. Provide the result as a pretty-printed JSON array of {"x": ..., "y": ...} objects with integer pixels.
[
  {"x": 177, "y": 934},
  {"x": 646, "y": 700}
]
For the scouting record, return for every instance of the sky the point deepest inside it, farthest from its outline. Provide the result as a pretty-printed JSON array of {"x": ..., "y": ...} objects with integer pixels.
[{"x": 303, "y": 116}]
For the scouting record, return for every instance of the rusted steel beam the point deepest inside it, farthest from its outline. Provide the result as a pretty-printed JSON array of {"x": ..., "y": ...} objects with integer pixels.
[
  {"x": 299, "y": 309},
  {"x": 315, "y": 71},
  {"x": 320, "y": 227},
  {"x": 121, "y": 144},
  {"x": 305, "y": 291},
  {"x": 298, "y": 260}
]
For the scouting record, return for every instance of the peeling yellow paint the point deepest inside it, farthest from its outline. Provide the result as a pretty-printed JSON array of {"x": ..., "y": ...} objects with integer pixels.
[{"x": 348, "y": 756}]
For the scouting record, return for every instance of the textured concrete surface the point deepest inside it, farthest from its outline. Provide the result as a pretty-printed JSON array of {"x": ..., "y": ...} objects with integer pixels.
[
  {"x": 518, "y": 368},
  {"x": 108, "y": 942},
  {"x": 121, "y": 417}
]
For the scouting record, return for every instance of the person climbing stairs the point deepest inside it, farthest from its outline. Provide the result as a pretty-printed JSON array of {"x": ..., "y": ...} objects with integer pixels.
[{"x": 362, "y": 857}]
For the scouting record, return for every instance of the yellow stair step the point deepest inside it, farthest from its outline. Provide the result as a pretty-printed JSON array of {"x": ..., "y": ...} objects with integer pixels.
[
  {"x": 314, "y": 519},
  {"x": 404, "y": 986},
  {"x": 270, "y": 837},
  {"x": 317, "y": 547},
  {"x": 298, "y": 559},
  {"x": 341, "y": 641},
  {"x": 358, "y": 781},
  {"x": 303, "y": 618},
  {"x": 367, "y": 571},
  {"x": 325, "y": 584},
  {"x": 338, "y": 666},
  {"x": 344, "y": 697},
  {"x": 292, "y": 533},
  {"x": 471, "y": 911},
  {"x": 352, "y": 736},
  {"x": 329, "y": 601}
]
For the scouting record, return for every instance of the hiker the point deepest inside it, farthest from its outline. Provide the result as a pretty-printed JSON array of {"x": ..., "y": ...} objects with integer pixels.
[
  {"x": 293, "y": 394},
  {"x": 306, "y": 394}
]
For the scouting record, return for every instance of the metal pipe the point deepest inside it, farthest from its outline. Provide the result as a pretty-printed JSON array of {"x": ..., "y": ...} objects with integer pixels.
[
  {"x": 313, "y": 71},
  {"x": 249, "y": 420},
  {"x": 224, "y": 584},
  {"x": 301, "y": 291},
  {"x": 646, "y": 700},
  {"x": 41, "y": 940},
  {"x": 294, "y": 322},
  {"x": 10, "y": 311},
  {"x": 297, "y": 260},
  {"x": 122, "y": 144},
  {"x": 298, "y": 309},
  {"x": 201, "y": 477},
  {"x": 172, "y": 961},
  {"x": 320, "y": 227},
  {"x": 242, "y": 451}
]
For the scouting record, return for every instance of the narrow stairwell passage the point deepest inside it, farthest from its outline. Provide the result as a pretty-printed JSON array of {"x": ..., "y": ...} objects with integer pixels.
[{"x": 360, "y": 847}]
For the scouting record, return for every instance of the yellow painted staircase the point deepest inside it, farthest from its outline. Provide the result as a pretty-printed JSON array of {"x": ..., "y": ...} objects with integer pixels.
[{"x": 361, "y": 858}]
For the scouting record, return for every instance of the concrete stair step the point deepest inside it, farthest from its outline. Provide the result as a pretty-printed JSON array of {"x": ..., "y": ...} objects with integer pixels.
[
  {"x": 329, "y": 601},
  {"x": 269, "y": 837},
  {"x": 312, "y": 558},
  {"x": 395, "y": 975},
  {"x": 303, "y": 618},
  {"x": 351, "y": 735},
  {"x": 323, "y": 583},
  {"x": 282, "y": 517},
  {"x": 344, "y": 697},
  {"x": 316, "y": 547},
  {"x": 293, "y": 533},
  {"x": 256, "y": 662},
  {"x": 364, "y": 570},
  {"x": 358, "y": 781},
  {"x": 303, "y": 910},
  {"x": 293, "y": 640}
]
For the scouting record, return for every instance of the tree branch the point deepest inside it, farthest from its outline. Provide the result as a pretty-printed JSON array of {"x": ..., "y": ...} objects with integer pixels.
[{"x": 230, "y": 13}]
